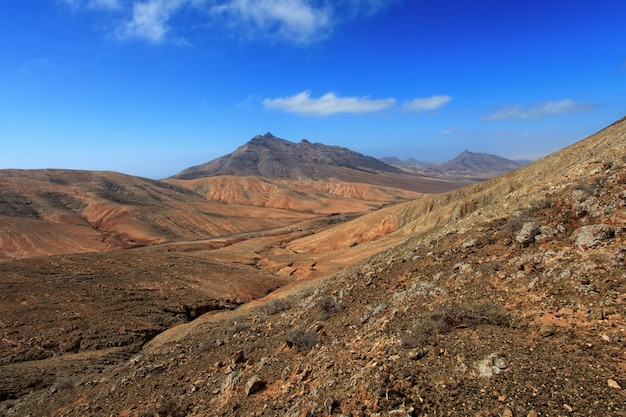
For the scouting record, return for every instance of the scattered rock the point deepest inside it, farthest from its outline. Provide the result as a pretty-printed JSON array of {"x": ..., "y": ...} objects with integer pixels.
[
  {"x": 568, "y": 408},
  {"x": 500, "y": 363},
  {"x": 527, "y": 233},
  {"x": 417, "y": 354},
  {"x": 594, "y": 235},
  {"x": 470, "y": 243},
  {"x": 546, "y": 331},
  {"x": 507, "y": 412},
  {"x": 239, "y": 357},
  {"x": 254, "y": 384},
  {"x": 532, "y": 413},
  {"x": 613, "y": 384}
]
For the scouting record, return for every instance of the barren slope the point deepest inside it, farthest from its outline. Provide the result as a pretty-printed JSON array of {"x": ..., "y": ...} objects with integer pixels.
[
  {"x": 58, "y": 211},
  {"x": 322, "y": 197}
]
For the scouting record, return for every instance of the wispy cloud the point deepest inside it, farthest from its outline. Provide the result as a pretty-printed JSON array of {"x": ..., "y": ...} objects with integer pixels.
[
  {"x": 149, "y": 20},
  {"x": 93, "y": 4},
  {"x": 428, "y": 103},
  {"x": 537, "y": 110},
  {"x": 328, "y": 104},
  {"x": 295, "y": 21}
]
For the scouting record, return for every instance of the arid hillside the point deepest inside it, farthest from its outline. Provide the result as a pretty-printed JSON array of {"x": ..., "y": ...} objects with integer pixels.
[
  {"x": 44, "y": 212},
  {"x": 503, "y": 298},
  {"x": 271, "y": 157}
]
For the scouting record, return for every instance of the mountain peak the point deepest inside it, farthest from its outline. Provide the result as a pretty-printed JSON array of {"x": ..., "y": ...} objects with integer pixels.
[{"x": 269, "y": 156}]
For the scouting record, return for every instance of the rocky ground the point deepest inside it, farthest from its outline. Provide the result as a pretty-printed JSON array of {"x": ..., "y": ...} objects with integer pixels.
[{"x": 519, "y": 315}]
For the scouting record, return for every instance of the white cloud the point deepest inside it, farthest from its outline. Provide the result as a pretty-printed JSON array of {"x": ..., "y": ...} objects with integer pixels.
[
  {"x": 149, "y": 20},
  {"x": 106, "y": 4},
  {"x": 94, "y": 4},
  {"x": 352, "y": 8},
  {"x": 428, "y": 103},
  {"x": 328, "y": 104},
  {"x": 537, "y": 110},
  {"x": 294, "y": 21}
]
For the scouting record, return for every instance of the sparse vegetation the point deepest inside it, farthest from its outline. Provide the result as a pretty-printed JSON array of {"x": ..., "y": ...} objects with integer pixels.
[
  {"x": 205, "y": 345},
  {"x": 329, "y": 305},
  {"x": 301, "y": 339},
  {"x": 167, "y": 407},
  {"x": 514, "y": 224},
  {"x": 448, "y": 317},
  {"x": 276, "y": 306},
  {"x": 237, "y": 328},
  {"x": 64, "y": 382}
]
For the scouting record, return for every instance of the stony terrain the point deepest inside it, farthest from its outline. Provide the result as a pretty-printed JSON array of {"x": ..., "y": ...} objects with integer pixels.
[{"x": 504, "y": 298}]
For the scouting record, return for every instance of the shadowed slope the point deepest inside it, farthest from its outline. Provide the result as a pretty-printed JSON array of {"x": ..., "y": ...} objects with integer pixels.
[{"x": 271, "y": 157}]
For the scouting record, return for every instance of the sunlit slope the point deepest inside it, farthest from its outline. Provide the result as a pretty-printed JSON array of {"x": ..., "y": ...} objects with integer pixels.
[{"x": 500, "y": 197}]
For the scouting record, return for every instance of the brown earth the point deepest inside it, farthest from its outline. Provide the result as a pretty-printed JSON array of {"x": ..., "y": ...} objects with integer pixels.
[{"x": 502, "y": 298}]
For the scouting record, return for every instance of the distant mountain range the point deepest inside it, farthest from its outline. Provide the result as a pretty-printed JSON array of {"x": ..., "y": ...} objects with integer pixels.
[{"x": 466, "y": 165}]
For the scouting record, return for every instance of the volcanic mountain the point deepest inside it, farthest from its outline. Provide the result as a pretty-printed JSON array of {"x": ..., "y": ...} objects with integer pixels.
[
  {"x": 271, "y": 157},
  {"x": 272, "y": 172}
]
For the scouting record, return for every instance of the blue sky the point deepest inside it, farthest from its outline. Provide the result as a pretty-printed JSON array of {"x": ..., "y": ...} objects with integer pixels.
[{"x": 150, "y": 87}]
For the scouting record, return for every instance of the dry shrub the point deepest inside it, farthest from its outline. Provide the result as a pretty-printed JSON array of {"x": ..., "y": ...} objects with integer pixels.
[
  {"x": 449, "y": 317},
  {"x": 276, "y": 306},
  {"x": 237, "y": 328},
  {"x": 301, "y": 339},
  {"x": 167, "y": 407},
  {"x": 328, "y": 306}
]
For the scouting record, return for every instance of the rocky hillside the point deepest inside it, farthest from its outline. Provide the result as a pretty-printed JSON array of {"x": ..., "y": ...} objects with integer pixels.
[{"x": 503, "y": 298}]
